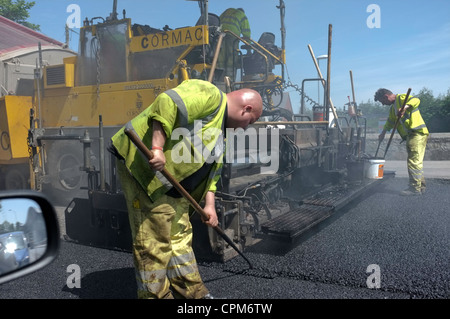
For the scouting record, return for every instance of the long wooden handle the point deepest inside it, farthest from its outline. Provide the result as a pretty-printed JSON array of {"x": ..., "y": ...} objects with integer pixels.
[
  {"x": 354, "y": 99},
  {"x": 149, "y": 154},
  {"x": 216, "y": 56},
  {"x": 397, "y": 121},
  {"x": 316, "y": 64}
]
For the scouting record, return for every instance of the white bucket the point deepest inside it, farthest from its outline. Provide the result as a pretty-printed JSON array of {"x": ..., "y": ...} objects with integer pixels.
[{"x": 375, "y": 169}]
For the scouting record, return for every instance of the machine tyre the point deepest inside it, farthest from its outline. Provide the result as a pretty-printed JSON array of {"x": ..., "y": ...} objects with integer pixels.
[
  {"x": 15, "y": 178},
  {"x": 64, "y": 167}
]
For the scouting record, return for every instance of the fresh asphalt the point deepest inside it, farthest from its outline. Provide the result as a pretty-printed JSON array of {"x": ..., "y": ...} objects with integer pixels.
[{"x": 404, "y": 240}]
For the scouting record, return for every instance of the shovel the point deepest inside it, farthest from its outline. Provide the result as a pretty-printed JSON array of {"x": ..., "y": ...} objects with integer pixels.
[
  {"x": 141, "y": 146},
  {"x": 376, "y": 153},
  {"x": 396, "y": 123}
]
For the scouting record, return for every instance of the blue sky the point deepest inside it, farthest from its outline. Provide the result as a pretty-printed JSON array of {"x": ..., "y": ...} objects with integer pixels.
[
  {"x": 16, "y": 209},
  {"x": 410, "y": 49}
]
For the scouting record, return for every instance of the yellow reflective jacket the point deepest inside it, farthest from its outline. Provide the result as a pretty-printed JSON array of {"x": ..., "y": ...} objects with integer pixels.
[
  {"x": 193, "y": 118},
  {"x": 236, "y": 21},
  {"x": 412, "y": 121}
]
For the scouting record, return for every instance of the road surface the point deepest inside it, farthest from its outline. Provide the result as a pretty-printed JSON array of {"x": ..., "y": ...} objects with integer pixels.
[{"x": 402, "y": 240}]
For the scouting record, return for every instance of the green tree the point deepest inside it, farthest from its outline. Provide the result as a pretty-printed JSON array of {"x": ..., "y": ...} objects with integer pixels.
[
  {"x": 17, "y": 11},
  {"x": 373, "y": 112},
  {"x": 427, "y": 103},
  {"x": 435, "y": 111}
]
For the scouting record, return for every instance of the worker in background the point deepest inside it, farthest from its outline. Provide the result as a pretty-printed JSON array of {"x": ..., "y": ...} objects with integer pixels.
[
  {"x": 159, "y": 216},
  {"x": 236, "y": 21},
  {"x": 411, "y": 128}
]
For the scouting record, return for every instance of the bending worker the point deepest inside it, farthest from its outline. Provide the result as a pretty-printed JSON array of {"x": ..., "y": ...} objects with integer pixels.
[
  {"x": 184, "y": 128},
  {"x": 411, "y": 128},
  {"x": 236, "y": 21}
]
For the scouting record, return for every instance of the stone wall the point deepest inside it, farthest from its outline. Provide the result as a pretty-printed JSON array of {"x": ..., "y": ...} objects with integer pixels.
[{"x": 438, "y": 147}]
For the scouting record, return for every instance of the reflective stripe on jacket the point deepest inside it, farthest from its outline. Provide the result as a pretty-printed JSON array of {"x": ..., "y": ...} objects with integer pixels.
[
  {"x": 412, "y": 119},
  {"x": 235, "y": 21},
  {"x": 192, "y": 116}
]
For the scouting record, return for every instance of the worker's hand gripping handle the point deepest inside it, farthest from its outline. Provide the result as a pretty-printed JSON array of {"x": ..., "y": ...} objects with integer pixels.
[{"x": 149, "y": 154}]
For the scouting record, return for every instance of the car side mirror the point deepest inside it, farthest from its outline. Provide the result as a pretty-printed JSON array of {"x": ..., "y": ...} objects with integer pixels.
[{"x": 29, "y": 233}]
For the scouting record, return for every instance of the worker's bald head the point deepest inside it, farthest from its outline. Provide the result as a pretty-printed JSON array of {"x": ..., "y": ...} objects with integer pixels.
[{"x": 245, "y": 107}]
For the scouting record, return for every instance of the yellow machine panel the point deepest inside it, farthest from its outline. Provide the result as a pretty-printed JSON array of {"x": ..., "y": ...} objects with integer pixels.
[
  {"x": 120, "y": 70},
  {"x": 116, "y": 102},
  {"x": 14, "y": 126},
  {"x": 192, "y": 36},
  {"x": 59, "y": 76}
]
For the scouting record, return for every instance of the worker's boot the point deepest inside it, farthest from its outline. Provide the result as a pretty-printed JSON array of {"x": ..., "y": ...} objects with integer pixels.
[
  {"x": 423, "y": 186},
  {"x": 410, "y": 192}
]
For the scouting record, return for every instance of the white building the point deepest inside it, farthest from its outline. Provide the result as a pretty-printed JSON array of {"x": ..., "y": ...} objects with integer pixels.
[{"x": 19, "y": 52}]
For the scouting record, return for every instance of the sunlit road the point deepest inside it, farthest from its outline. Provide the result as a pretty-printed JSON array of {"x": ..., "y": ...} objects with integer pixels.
[{"x": 405, "y": 238}]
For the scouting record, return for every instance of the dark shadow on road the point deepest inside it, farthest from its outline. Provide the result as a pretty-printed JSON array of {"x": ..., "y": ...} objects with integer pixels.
[{"x": 108, "y": 284}]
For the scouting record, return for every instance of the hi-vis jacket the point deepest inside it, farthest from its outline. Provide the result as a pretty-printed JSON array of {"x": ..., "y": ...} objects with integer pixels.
[
  {"x": 235, "y": 21},
  {"x": 411, "y": 121},
  {"x": 193, "y": 118}
]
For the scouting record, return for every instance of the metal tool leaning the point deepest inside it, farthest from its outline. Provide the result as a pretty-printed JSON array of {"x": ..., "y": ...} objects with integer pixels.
[{"x": 149, "y": 154}]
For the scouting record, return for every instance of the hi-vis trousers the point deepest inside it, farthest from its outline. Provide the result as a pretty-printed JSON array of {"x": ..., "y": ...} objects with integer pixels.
[
  {"x": 162, "y": 243},
  {"x": 228, "y": 56},
  {"x": 416, "y": 144}
]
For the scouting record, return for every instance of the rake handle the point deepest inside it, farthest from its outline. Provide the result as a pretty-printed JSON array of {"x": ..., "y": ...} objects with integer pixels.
[
  {"x": 397, "y": 121},
  {"x": 149, "y": 154}
]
